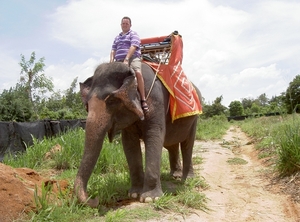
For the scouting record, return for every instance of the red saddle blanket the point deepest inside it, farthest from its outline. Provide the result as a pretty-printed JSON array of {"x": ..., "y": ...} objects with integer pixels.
[{"x": 184, "y": 99}]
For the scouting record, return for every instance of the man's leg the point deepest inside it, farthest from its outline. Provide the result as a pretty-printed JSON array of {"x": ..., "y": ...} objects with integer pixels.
[{"x": 141, "y": 88}]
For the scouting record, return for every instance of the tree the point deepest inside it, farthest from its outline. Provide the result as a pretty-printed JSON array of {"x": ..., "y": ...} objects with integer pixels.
[
  {"x": 14, "y": 105},
  {"x": 236, "y": 108},
  {"x": 215, "y": 109},
  {"x": 263, "y": 100},
  {"x": 34, "y": 81},
  {"x": 247, "y": 103},
  {"x": 255, "y": 109},
  {"x": 293, "y": 96},
  {"x": 277, "y": 103}
]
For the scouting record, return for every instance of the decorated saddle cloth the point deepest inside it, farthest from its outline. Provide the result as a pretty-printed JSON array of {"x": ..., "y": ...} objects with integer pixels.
[{"x": 184, "y": 99}]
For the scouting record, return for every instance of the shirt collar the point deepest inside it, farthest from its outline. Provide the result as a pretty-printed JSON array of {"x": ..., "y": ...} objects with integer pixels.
[{"x": 125, "y": 33}]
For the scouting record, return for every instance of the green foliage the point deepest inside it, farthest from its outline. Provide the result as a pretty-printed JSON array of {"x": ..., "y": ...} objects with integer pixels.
[
  {"x": 68, "y": 153},
  {"x": 289, "y": 148},
  {"x": 247, "y": 103},
  {"x": 42, "y": 201},
  {"x": 27, "y": 101},
  {"x": 236, "y": 161},
  {"x": 109, "y": 181},
  {"x": 279, "y": 139},
  {"x": 236, "y": 108},
  {"x": 212, "y": 128},
  {"x": 14, "y": 105},
  {"x": 215, "y": 109},
  {"x": 186, "y": 196},
  {"x": 293, "y": 96},
  {"x": 255, "y": 109},
  {"x": 35, "y": 82}
]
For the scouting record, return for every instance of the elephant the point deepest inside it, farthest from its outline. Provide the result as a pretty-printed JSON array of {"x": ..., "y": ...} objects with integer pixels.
[{"x": 113, "y": 103}]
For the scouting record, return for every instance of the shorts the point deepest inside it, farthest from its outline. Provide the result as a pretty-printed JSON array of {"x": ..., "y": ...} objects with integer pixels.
[{"x": 136, "y": 64}]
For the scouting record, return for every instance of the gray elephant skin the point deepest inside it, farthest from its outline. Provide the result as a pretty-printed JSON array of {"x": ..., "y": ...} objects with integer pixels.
[{"x": 113, "y": 104}]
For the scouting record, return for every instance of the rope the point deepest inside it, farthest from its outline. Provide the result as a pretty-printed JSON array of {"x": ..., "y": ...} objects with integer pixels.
[{"x": 156, "y": 74}]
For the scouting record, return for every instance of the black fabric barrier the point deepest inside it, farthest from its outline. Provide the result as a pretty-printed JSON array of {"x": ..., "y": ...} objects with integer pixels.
[{"x": 16, "y": 136}]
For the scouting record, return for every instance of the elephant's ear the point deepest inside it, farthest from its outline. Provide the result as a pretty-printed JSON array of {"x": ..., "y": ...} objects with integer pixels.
[
  {"x": 128, "y": 94},
  {"x": 84, "y": 90}
]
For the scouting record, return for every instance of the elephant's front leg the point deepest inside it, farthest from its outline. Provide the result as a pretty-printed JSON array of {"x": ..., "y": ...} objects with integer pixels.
[
  {"x": 96, "y": 127},
  {"x": 153, "y": 150},
  {"x": 133, "y": 153}
]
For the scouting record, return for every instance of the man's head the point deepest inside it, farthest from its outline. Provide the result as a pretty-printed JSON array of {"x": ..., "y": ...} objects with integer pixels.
[{"x": 125, "y": 24}]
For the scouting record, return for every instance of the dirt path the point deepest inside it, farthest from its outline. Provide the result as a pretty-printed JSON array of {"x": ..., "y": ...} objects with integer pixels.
[{"x": 239, "y": 192}]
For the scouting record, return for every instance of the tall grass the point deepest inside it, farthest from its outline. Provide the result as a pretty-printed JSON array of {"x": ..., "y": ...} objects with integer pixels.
[
  {"x": 71, "y": 146},
  {"x": 278, "y": 138},
  {"x": 289, "y": 148},
  {"x": 212, "y": 128}
]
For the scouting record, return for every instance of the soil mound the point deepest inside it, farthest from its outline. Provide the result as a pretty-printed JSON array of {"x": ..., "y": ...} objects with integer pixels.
[{"x": 17, "y": 188}]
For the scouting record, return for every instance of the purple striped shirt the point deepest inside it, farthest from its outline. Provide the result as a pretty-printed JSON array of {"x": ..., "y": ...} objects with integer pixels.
[{"x": 122, "y": 44}]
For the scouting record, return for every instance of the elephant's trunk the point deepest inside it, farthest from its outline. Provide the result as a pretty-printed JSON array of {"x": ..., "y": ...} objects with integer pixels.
[{"x": 95, "y": 130}]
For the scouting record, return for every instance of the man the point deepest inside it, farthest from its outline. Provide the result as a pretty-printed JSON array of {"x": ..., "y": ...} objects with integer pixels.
[{"x": 126, "y": 49}]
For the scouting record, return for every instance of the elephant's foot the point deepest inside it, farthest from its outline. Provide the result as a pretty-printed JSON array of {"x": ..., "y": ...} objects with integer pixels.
[
  {"x": 133, "y": 195},
  {"x": 92, "y": 203},
  {"x": 188, "y": 175},
  {"x": 151, "y": 195},
  {"x": 135, "y": 192},
  {"x": 176, "y": 173},
  {"x": 82, "y": 195},
  {"x": 149, "y": 200},
  {"x": 88, "y": 202}
]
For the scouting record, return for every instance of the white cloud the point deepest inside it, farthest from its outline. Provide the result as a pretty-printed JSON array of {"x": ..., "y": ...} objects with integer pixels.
[
  {"x": 229, "y": 49},
  {"x": 63, "y": 74},
  {"x": 9, "y": 71}
]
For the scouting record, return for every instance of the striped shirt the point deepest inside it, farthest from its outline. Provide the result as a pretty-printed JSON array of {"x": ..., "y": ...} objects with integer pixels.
[{"x": 122, "y": 44}]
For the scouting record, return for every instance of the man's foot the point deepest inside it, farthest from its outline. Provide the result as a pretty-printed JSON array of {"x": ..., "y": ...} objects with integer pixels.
[{"x": 145, "y": 106}]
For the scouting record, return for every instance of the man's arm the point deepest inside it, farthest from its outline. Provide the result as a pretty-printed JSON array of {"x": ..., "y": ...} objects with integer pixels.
[
  {"x": 130, "y": 52},
  {"x": 112, "y": 55}
]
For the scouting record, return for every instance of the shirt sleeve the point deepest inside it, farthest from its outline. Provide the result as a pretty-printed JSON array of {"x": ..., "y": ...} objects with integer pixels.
[
  {"x": 135, "y": 40},
  {"x": 114, "y": 45}
]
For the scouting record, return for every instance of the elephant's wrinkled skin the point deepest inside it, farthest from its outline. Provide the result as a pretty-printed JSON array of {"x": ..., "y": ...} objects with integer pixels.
[{"x": 113, "y": 104}]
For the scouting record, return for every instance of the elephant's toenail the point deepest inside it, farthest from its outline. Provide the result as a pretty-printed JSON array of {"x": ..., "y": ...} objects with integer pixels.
[
  {"x": 148, "y": 200},
  {"x": 134, "y": 195}
]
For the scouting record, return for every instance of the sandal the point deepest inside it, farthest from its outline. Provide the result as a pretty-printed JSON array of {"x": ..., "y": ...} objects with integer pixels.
[{"x": 145, "y": 106}]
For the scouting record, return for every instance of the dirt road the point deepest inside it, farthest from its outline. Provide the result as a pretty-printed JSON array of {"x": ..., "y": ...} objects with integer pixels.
[{"x": 240, "y": 192}]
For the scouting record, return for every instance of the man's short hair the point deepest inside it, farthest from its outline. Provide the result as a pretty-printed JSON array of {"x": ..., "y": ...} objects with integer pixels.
[{"x": 126, "y": 17}]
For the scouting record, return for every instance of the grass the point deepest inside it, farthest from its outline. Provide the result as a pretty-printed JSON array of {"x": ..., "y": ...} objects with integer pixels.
[
  {"x": 109, "y": 182},
  {"x": 278, "y": 138},
  {"x": 212, "y": 128},
  {"x": 236, "y": 161}
]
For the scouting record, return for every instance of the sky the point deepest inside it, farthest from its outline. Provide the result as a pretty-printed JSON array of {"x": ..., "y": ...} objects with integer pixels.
[{"x": 234, "y": 49}]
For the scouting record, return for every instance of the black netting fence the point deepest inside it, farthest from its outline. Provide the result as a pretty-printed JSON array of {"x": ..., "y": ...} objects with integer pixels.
[{"x": 14, "y": 136}]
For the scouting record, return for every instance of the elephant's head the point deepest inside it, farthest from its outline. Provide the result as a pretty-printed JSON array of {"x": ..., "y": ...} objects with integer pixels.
[
  {"x": 113, "y": 103},
  {"x": 116, "y": 85}
]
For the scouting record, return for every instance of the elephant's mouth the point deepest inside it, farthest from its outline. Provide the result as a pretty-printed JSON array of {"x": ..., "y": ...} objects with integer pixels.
[{"x": 111, "y": 133}]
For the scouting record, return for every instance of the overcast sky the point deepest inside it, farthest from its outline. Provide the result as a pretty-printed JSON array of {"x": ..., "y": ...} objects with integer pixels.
[{"x": 237, "y": 49}]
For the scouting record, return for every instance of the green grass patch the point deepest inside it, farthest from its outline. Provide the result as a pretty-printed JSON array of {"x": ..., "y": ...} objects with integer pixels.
[
  {"x": 236, "y": 161},
  {"x": 109, "y": 182},
  {"x": 212, "y": 128},
  {"x": 278, "y": 138}
]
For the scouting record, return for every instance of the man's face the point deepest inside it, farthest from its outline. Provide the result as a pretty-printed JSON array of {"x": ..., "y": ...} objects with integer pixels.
[{"x": 125, "y": 25}]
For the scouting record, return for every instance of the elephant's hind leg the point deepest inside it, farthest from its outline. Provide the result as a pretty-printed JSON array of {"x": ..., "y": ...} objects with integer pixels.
[
  {"x": 174, "y": 159},
  {"x": 187, "y": 152}
]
